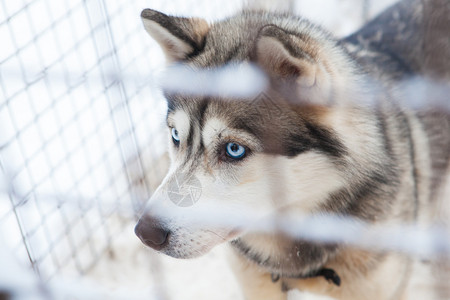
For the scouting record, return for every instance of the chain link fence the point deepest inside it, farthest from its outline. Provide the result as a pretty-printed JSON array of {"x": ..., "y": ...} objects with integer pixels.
[{"x": 80, "y": 121}]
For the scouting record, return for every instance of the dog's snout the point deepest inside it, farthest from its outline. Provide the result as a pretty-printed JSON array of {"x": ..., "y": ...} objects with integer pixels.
[{"x": 151, "y": 232}]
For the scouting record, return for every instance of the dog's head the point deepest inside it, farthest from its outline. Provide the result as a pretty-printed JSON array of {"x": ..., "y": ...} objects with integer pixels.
[{"x": 281, "y": 151}]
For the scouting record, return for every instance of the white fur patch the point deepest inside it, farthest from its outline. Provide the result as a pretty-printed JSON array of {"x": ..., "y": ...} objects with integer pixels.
[
  {"x": 180, "y": 121},
  {"x": 174, "y": 48},
  {"x": 213, "y": 127},
  {"x": 302, "y": 182}
]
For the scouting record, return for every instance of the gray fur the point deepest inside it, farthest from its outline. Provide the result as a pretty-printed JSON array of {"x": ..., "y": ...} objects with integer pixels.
[{"x": 397, "y": 179}]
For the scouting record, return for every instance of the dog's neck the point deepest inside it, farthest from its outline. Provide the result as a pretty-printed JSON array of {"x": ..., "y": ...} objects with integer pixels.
[{"x": 283, "y": 257}]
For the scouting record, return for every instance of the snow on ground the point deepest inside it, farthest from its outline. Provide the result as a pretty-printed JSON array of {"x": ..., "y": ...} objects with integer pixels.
[{"x": 136, "y": 267}]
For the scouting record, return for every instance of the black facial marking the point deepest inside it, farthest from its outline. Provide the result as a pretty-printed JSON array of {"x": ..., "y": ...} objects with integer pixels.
[
  {"x": 313, "y": 138},
  {"x": 190, "y": 139},
  {"x": 172, "y": 103},
  {"x": 248, "y": 124},
  {"x": 232, "y": 53},
  {"x": 201, "y": 111},
  {"x": 325, "y": 141}
]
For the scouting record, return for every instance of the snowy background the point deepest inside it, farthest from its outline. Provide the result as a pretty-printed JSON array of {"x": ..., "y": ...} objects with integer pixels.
[{"x": 80, "y": 146}]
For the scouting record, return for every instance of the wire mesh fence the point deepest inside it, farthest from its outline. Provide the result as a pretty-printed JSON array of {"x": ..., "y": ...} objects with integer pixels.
[
  {"x": 60, "y": 113},
  {"x": 80, "y": 117}
]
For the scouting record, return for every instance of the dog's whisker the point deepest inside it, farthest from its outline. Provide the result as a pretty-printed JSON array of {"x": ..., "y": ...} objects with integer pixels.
[{"x": 216, "y": 234}]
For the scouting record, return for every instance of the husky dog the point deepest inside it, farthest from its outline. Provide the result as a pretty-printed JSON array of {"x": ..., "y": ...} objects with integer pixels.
[{"x": 330, "y": 135}]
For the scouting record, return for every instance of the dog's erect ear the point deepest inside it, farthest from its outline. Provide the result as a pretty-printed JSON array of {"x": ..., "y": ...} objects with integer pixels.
[
  {"x": 285, "y": 55},
  {"x": 178, "y": 37}
]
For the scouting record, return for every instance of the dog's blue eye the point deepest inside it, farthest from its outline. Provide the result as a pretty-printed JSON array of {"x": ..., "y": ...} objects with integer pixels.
[
  {"x": 175, "y": 137},
  {"x": 235, "y": 151}
]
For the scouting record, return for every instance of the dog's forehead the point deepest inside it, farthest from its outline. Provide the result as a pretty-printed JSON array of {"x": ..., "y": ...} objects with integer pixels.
[{"x": 230, "y": 112}]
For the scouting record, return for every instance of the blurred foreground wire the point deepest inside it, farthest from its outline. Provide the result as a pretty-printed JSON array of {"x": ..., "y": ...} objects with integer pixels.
[{"x": 81, "y": 145}]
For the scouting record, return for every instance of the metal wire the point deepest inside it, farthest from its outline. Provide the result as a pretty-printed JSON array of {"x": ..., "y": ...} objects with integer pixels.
[{"x": 67, "y": 124}]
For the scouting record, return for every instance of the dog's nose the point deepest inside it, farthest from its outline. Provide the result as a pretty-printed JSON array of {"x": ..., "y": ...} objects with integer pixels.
[{"x": 151, "y": 233}]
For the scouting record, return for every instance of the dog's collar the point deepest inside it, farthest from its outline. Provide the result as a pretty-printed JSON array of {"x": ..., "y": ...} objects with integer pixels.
[{"x": 329, "y": 274}]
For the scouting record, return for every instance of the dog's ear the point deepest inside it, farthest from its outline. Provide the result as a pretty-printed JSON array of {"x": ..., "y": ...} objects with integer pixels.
[
  {"x": 287, "y": 56},
  {"x": 178, "y": 37}
]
